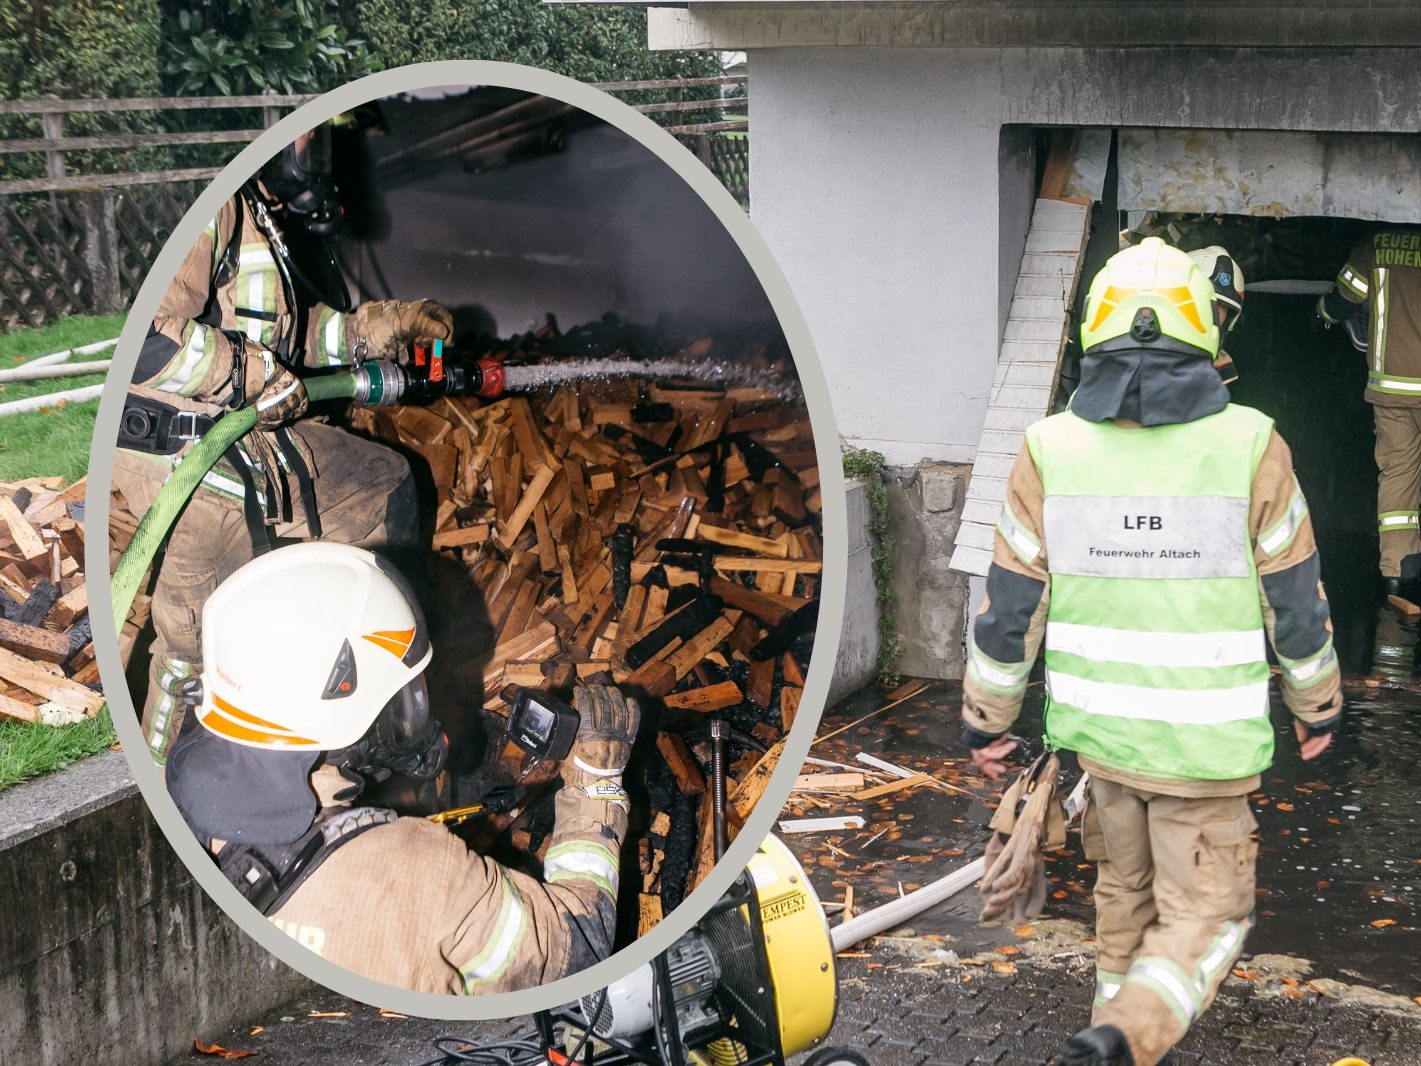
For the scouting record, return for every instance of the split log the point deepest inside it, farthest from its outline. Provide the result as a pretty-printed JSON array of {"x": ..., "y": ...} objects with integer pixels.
[
  {"x": 33, "y": 642},
  {"x": 31, "y": 546},
  {"x": 49, "y": 684},
  {"x": 747, "y": 793},
  {"x": 684, "y": 767},
  {"x": 706, "y": 698}
]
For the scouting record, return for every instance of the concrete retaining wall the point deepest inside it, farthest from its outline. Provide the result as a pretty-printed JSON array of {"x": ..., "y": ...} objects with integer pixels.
[
  {"x": 109, "y": 952},
  {"x": 924, "y": 511},
  {"x": 857, "y": 664}
]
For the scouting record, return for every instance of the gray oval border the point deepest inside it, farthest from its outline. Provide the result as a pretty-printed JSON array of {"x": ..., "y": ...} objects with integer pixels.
[{"x": 834, "y": 577}]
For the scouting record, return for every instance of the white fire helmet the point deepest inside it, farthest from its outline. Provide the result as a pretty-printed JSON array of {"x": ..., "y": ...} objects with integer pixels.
[
  {"x": 304, "y": 646},
  {"x": 1227, "y": 277}
]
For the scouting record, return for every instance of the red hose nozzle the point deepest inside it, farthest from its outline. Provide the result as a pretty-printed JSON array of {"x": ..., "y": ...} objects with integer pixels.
[{"x": 490, "y": 378}]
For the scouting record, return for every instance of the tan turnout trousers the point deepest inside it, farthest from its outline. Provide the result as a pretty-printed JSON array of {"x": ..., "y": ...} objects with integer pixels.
[
  {"x": 365, "y": 496},
  {"x": 1174, "y": 898},
  {"x": 1398, "y": 484}
]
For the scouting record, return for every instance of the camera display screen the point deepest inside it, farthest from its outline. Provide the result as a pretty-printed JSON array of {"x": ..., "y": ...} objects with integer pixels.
[{"x": 538, "y": 721}]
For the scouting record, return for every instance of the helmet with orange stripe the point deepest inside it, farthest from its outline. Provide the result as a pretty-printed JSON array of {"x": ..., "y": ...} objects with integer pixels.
[
  {"x": 307, "y": 647},
  {"x": 1150, "y": 297}
]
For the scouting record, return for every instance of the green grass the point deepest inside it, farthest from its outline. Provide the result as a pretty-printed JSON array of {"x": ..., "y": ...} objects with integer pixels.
[
  {"x": 38, "y": 444},
  {"x": 28, "y": 750},
  {"x": 53, "y": 441}
]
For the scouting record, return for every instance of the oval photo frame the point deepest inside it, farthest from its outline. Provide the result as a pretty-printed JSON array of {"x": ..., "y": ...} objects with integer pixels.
[{"x": 834, "y": 575}]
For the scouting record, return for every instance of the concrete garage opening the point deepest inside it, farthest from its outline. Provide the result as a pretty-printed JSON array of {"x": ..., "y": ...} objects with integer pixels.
[
  {"x": 1310, "y": 380},
  {"x": 1289, "y": 208}
]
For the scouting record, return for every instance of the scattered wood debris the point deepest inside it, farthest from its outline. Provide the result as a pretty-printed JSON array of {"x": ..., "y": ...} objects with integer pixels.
[
  {"x": 820, "y": 825},
  {"x": 47, "y": 668},
  {"x": 663, "y": 535}
]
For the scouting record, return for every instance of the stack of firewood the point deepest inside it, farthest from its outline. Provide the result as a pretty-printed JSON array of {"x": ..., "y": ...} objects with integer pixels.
[
  {"x": 664, "y": 536},
  {"x": 47, "y": 668}
]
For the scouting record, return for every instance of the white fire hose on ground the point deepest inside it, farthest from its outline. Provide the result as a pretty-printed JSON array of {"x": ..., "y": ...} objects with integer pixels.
[
  {"x": 57, "y": 365},
  {"x": 896, "y": 912}
]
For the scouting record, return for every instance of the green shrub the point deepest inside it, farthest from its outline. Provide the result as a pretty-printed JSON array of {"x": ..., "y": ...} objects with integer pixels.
[
  {"x": 235, "y": 47},
  {"x": 586, "y": 42},
  {"x": 78, "y": 49},
  {"x": 873, "y": 469}
]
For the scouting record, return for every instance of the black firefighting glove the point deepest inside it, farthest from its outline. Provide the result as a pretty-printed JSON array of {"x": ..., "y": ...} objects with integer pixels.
[{"x": 282, "y": 399}]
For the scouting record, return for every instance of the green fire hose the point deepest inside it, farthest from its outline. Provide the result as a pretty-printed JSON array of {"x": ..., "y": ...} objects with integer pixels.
[{"x": 193, "y": 467}]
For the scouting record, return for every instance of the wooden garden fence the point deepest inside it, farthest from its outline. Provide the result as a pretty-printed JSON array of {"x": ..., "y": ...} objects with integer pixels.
[{"x": 80, "y": 241}]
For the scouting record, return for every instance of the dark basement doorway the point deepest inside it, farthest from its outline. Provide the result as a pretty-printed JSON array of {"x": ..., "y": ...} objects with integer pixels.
[{"x": 1310, "y": 380}]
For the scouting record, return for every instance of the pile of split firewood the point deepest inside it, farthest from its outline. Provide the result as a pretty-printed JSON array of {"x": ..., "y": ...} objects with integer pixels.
[
  {"x": 47, "y": 668},
  {"x": 662, "y": 535}
]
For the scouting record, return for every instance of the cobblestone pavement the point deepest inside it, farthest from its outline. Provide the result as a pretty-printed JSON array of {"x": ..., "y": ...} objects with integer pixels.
[{"x": 901, "y": 1012}]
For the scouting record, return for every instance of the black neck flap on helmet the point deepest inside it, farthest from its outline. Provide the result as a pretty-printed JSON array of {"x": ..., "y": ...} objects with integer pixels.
[
  {"x": 1149, "y": 378},
  {"x": 231, "y": 792},
  {"x": 1153, "y": 388},
  {"x": 247, "y": 795}
]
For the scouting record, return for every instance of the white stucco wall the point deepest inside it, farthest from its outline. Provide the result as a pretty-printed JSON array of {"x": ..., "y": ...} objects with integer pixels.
[
  {"x": 876, "y": 178},
  {"x": 883, "y": 215}
]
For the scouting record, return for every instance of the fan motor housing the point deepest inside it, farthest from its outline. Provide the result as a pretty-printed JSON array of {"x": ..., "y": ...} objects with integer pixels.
[{"x": 628, "y": 1008}]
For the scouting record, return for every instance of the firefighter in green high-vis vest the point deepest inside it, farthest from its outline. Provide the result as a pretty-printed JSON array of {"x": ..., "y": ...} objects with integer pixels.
[{"x": 1154, "y": 539}]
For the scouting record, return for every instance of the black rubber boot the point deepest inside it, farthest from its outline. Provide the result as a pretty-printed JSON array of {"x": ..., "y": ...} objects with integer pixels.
[
  {"x": 1102, "y": 1045},
  {"x": 1391, "y": 586}
]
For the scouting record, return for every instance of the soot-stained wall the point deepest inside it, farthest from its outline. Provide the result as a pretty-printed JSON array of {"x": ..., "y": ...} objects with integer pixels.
[{"x": 600, "y": 226}]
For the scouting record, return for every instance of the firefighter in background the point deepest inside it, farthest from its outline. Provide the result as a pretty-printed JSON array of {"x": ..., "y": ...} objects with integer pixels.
[
  {"x": 1377, "y": 298},
  {"x": 232, "y": 330},
  {"x": 1153, "y": 536},
  {"x": 312, "y": 687},
  {"x": 1226, "y": 276}
]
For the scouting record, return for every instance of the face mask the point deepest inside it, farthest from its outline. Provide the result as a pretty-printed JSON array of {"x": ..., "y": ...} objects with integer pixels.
[
  {"x": 403, "y": 740},
  {"x": 299, "y": 177}
]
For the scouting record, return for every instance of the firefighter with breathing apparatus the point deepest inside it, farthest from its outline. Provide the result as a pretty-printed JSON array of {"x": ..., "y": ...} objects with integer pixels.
[
  {"x": 312, "y": 689},
  {"x": 1377, "y": 300},
  {"x": 235, "y": 327},
  {"x": 1153, "y": 539}
]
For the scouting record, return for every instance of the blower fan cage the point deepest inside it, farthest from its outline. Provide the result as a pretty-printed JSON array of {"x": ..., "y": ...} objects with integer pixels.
[{"x": 730, "y": 940}]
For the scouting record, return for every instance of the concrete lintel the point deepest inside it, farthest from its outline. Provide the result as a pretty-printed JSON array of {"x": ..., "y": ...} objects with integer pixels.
[{"x": 743, "y": 24}]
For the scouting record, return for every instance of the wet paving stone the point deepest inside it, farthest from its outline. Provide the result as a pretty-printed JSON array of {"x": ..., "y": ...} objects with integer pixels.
[
  {"x": 1029, "y": 1016},
  {"x": 1339, "y": 868}
]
